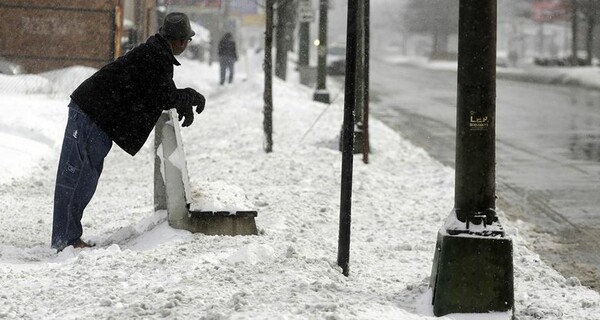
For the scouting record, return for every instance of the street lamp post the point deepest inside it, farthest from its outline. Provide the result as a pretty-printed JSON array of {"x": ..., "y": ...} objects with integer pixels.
[{"x": 472, "y": 269}]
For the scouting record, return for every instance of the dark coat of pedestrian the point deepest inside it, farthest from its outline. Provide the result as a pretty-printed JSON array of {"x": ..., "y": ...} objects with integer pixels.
[
  {"x": 227, "y": 57},
  {"x": 120, "y": 103}
]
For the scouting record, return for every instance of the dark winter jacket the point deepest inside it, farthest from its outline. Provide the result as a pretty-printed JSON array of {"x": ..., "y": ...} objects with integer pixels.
[
  {"x": 126, "y": 97},
  {"x": 227, "y": 48}
]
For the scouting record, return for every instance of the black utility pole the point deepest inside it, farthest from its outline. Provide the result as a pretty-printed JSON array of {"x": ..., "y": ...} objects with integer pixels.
[
  {"x": 343, "y": 259},
  {"x": 472, "y": 268},
  {"x": 475, "y": 185},
  {"x": 321, "y": 94}
]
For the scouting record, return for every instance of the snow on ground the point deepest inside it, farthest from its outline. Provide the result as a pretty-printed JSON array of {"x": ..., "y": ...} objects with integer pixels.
[{"x": 142, "y": 268}]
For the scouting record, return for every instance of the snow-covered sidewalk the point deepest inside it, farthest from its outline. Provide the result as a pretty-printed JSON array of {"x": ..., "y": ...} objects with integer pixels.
[{"x": 144, "y": 269}]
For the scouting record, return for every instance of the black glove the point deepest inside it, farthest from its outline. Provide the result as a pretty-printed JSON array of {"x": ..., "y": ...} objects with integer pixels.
[
  {"x": 199, "y": 101},
  {"x": 187, "y": 98},
  {"x": 188, "y": 113},
  {"x": 190, "y": 97}
]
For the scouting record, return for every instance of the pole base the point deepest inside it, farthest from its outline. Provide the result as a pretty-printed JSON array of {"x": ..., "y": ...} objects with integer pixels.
[
  {"x": 472, "y": 274},
  {"x": 321, "y": 96}
]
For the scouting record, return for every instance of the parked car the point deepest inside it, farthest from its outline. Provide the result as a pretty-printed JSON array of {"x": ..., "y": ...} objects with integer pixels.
[
  {"x": 8, "y": 67},
  {"x": 336, "y": 60}
]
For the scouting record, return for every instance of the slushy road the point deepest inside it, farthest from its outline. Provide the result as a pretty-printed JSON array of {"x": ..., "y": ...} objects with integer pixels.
[{"x": 547, "y": 154}]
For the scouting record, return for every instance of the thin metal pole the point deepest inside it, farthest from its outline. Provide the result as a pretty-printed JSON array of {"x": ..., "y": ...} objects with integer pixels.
[
  {"x": 367, "y": 31},
  {"x": 343, "y": 259},
  {"x": 268, "y": 91}
]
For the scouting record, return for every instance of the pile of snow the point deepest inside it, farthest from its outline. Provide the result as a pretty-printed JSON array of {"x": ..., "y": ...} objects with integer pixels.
[
  {"x": 142, "y": 268},
  {"x": 219, "y": 196}
]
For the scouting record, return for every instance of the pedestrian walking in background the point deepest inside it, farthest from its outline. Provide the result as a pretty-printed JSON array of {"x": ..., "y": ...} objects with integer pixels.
[
  {"x": 227, "y": 56},
  {"x": 120, "y": 103}
]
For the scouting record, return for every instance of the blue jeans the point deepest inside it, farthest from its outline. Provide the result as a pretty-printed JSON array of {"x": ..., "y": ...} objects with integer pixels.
[
  {"x": 226, "y": 63},
  {"x": 84, "y": 148}
]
